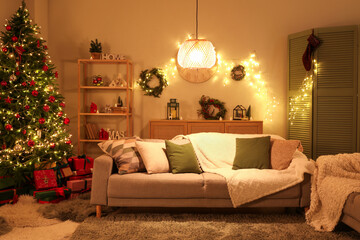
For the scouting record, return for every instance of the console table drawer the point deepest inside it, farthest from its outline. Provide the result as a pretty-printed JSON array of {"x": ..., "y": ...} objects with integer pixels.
[{"x": 196, "y": 127}]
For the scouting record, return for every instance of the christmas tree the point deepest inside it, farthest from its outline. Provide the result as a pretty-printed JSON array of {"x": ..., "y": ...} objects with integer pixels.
[{"x": 33, "y": 122}]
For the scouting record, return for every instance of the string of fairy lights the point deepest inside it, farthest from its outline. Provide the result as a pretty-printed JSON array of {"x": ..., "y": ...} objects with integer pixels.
[{"x": 299, "y": 102}]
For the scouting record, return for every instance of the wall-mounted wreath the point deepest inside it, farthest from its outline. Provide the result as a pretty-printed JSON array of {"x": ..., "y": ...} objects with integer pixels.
[
  {"x": 145, "y": 78},
  {"x": 208, "y": 106},
  {"x": 238, "y": 72}
]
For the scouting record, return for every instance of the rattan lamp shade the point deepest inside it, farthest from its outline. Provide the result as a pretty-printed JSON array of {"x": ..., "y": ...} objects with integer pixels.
[{"x": 196, "y": 53}]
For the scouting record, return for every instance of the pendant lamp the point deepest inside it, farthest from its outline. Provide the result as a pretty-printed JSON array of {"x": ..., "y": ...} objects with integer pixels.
[{"x": 196, "y": 58}]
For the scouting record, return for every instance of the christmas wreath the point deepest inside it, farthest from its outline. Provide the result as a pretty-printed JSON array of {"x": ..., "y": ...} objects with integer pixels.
[
  {"x": 238, "y": 72},
  {"x": 208, "y": 106},
  {"x": 145, "y": 78}
]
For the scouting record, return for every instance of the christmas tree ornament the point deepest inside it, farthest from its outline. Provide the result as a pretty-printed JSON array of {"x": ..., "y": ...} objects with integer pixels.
[
  {"x": 46, "y": 108},
  {"x": 17, "y": 73},
  {"x": 34, "y": 93},
  {"x": 62, "y": 104},
  {"x": 60, "y": 114},
  {"x": 66, "y": 121},
  {"x": 24, "y": 84},
  {"x": 18, "y": 147},
  {"x": 12, "y": 77},
  {"x": 17, "y": 116},
  {"x": 8, "y": 28},
  {"x": 27, "y": 107},
  {"x": 41, "y": 120},
  {"x": 51, "y": 99},
  {"x": 8, "y": 127},
  {"x": 30, "y": 143},
  {"x": 24, "y": 132},
  {"x": 68, "y": 142},
  {"x": 52, "y": 145},
  {"x": 45, "y": 68},
  {"x": 3, "y": 83},
  {"x": 32, "y": 83},
  {"x": 51, "y": 88},
  {"x": 56, "y": 74},
  {"x": 4, "y": 49},
  {"x": 14, "y": 39},
  {"x": 8, "y": 100}
]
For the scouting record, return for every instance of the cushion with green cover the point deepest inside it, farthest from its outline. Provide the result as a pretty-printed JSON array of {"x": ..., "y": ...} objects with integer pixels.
[
  {"x": 252, "y": 153},
  {"x": 182, "y": 158}
]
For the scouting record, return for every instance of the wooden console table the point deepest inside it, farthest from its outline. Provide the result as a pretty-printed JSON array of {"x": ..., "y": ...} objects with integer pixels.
[{"x": 167, "y": 129}]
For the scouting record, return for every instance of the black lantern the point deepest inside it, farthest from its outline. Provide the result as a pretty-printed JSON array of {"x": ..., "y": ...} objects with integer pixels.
[
  {"x": 239, "y": 113},
  {"x": 173, "y": 110}
]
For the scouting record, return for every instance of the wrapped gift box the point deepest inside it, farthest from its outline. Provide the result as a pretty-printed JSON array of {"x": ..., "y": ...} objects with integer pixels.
[
  {"x": 82, "y": 172},
  {"x": 77, "y": 177},
  {"x": 79, "y": 185},
  {"x": 81, "y": 162},
  {"x": 45, "y": 179},
  {"x": 53, "y": 195},
  {"x": 65, "y": 169},
  {"x": 8, "y": 196},
  {"x": 6, "y": 182}
]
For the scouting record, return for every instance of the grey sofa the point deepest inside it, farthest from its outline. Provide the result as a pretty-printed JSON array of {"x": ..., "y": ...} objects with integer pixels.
[
  {"x": 351, "y": 211},
  {"x": 206, "y": 190}
]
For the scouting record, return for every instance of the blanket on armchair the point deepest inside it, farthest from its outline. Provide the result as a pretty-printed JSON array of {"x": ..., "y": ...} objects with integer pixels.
[
  {"x": 335, "y": 178},
  {"x": 216, "y": 152}
]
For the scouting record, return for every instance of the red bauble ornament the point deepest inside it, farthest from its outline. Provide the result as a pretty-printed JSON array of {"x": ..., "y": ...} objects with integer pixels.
[
  {"x": 66, "y": 121},
  {"x": 3, "y": 146},
  {"x": 14, "y": 39},
  {"x": 8, "y": 27},
  {"x": 41, "y": 120},
  {"x": 24, "y": 84},
  {"x": 17, "y": 116},
  {"x": 38, "y": 43},
  {"x": 32, "y": 83},
  {"x": 34, "y": 93},
  {"x": 8, "y": 127},
  {"x": 45, "y": 68},
  {"x": 3, "y": 83},
  {"x": 24, "y": 131},
  {"x": 30, "y": 143},
  {"x": 52, "y": 145},
  {"x": 68, "y": 142},
  {"x": 27, "y": 107},
  {"x": 95, "y": 81},
  {"x": 51, "y": 99},
  {"x": 60, "y": 114},
  {"x": 17, "y": 73},
  {"x": 46, "y": 108},
  {"x": 56, "y": 74},
  {"x": 45, "y": 47},
  {"x": 62, "y": 104},
  {"x": 4, "y": 49}
]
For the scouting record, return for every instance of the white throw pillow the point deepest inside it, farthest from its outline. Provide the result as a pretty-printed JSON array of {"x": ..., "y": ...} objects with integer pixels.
[{"x": 154, "y": 156}]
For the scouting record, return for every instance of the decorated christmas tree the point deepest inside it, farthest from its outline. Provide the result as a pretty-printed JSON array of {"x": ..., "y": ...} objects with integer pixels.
[{"x": 33, "y": 122}]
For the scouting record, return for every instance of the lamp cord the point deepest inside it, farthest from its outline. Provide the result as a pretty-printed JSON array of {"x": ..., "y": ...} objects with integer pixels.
[{"x": 197, "y": 17}]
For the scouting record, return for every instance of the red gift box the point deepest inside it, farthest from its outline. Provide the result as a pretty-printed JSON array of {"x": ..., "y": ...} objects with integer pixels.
[
  {"x": 81, "y": 162},
  {"x": 45, "y": 179},
  {"x": 8, "y": 196},
  {"x": 53, "y": 195},
  {"x": 77, "y": 177},
  {"x": 79, "y": 185},
  {"x": 82, "y": 172}
]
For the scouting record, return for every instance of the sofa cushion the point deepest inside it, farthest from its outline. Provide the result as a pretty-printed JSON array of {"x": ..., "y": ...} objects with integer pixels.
[
  {"x": 351, "y": 206},
  {"x": 182, "y": 158},
  {"x": 252, "y": 153},
  {"x": 154, "y": 156},
  {"x": 282, "y": 152},
  {"x": 160, "y": 185}
]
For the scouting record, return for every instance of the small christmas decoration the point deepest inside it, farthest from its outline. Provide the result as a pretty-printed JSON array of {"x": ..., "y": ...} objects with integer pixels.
[
  {"x": 95, "y": 49},
  {"x": 119, "y": 102},
  {"x": 103, "y": 135},
  {"x": 66, "y": 121},
  {"x": 239, "y": 113},
  {"x": 93, "y": 108},
  {"x": 41, "y": 120},
  {"x": 18, "y": 147},
  {"x": 116, "y": 134},
  {"x": 313, "y": 43},
  {"x": 238, "y": 72},
  {"x": 147, "y": 75},
  {"x": 208, "y": 107},
  {"x": 248, "y": 113},
  {"x": 97, "y": 80},
  {"x": 12, "y": 77},
  {"x": 173, "y": 110}
]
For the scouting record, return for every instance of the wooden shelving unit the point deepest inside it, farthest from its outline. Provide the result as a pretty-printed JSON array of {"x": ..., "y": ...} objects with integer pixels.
[{"x": 84, "y": 90}]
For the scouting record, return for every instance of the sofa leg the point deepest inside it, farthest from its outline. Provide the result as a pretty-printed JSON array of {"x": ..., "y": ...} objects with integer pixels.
[{"x": 98, "y": 211}]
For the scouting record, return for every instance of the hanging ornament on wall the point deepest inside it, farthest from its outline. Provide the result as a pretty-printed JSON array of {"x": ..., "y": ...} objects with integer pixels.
[
  {"x": 238, "y": 73},
  {"x": 209, "y": 107},
  {"x": 147, "y": 75}
]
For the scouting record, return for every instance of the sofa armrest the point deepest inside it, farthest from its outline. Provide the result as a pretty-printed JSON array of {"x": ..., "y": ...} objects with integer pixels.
[
  {"x": 305, "y": 191},
  {"x": 102, "y": 170}
]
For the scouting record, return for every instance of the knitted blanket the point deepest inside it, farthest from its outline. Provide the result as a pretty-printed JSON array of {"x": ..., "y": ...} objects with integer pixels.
[
  {"x": 335, "y": 178},
  {"x": 216, "y": 152}
]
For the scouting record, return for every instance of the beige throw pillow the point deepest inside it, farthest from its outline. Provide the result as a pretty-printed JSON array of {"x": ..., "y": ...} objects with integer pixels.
[
  {"x": 153, "y": 156},
  {"x": 282, "y": 152}
]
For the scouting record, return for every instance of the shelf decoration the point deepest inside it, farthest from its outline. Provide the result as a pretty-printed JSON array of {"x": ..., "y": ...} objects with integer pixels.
[
  {"x": 118, "y": 82},
  {"x": 97, "y": 80},
  {"x": 239, "y": 113},
  {"x": 208, "y": 107},
  {"x": 95, "y": 49},
  {"x": 93, "y": 108},
  {"x": 116, "y": 134},
  {"x": 238, "y": 72},
  {"x": 147, "y": 75},
  {"x": 103, "y": 135},
  {"x": 112, "y": 56},
  {"x": 173, "y": 110}
]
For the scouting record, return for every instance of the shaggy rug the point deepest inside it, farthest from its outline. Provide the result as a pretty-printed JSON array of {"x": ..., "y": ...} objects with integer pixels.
[{"x": 29, "y": 220}]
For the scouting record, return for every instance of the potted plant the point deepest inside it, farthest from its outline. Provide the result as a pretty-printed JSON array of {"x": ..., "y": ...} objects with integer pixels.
[{"x": 95, "y": 49}]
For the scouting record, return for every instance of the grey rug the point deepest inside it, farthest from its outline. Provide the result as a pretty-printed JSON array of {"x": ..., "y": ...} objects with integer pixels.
[{"x": 120, "y": 223}]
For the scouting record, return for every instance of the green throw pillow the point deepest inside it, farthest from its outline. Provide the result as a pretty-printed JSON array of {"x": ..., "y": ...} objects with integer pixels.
[
  {"x": 182, "y": 158},
  {"x": 252, "y": 153}
]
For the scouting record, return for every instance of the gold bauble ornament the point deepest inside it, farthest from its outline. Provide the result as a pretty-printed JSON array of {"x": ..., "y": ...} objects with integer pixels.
[{"x": 17, "y": 147}]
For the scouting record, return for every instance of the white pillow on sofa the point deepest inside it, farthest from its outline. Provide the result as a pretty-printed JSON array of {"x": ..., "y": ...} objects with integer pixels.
[{"x": 154, "y": 156}]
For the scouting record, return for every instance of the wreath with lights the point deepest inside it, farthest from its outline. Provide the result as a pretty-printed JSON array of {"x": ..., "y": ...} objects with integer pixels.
[
  {"x": 145, "y": 78},
  {"x": 238, "y": 72},
  {"x": 208, "y": 112}
]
